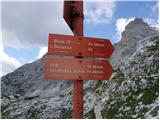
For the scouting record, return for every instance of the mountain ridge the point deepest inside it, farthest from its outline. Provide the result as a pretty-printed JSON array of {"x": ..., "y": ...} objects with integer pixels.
[{"x": 134, "y": 62}]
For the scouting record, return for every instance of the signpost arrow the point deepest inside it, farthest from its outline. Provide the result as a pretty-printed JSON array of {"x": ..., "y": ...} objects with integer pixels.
[
  {"x": 68, "y": 13},
  {"x": 77, "y": 69},
  {"x": 79, "y": 46}
]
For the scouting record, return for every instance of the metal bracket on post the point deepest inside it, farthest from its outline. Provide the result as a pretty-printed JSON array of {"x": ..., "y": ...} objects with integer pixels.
[{"x": 75, "y": 14}]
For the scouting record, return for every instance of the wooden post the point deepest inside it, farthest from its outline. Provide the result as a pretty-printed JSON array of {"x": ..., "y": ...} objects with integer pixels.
[{"x": 77, "y": 84}]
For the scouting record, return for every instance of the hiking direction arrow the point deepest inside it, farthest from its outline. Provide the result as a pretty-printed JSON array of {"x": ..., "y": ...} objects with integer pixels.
[
  {"x": 77, "y": 69},
  {"x": 79, "y": 46}
]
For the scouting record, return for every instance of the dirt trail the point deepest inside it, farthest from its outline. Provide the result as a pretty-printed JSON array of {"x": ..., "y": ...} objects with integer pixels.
[
  {"x": 97, "y": 111},
  {"x": 97, "y": 108}
]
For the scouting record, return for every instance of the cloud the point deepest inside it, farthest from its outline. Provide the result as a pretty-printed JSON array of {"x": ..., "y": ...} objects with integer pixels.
[
  {"x": 155, "y": 9},
  {"x": 120, "y": 26},
  {"x": 27, "y": 24},
  {"x": 8, "y": 63},
  {"x": 42, "y": 51},
  {"x": 98, "y": 12},
  {"x": 152, "y": 22}
]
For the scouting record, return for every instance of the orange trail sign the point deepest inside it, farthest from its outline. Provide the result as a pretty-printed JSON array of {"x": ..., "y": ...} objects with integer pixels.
[
  {"x": 79, "y": 46},
  {"x": 77, "y": 69},
  {"x": 68, "y": 13}
]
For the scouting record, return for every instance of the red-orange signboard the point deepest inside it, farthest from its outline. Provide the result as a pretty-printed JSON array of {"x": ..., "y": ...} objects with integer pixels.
[
  {"x": 77, "y": 69},
  {"x": 67, "y": 12},
  {"x": 79, "y": 46}
]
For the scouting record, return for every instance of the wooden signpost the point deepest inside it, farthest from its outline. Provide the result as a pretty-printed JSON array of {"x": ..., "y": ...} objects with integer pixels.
[
  {"x": 83, "y": 66},
  {"x": 79, "y": 46},
  {"x": 77, "y": 69}
]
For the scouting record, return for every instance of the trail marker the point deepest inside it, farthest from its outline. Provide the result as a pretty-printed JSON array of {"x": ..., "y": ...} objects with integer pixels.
[
  {"x": 79, "y": 46},
  {"x": 78, "y": 68}
]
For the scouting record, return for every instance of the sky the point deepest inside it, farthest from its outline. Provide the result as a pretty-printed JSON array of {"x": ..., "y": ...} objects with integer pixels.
[{"x": 25, "y": 25}]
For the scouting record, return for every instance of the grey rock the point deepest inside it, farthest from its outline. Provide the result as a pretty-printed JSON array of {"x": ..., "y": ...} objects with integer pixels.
[{"x": 11, "y": 97}]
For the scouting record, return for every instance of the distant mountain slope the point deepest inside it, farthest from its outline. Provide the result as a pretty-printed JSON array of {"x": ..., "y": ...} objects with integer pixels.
[
  {"x": 131, "y": 92},
  {"x": 134, "y": 32},
  {"x": 133, "y": 89},
  {"x": 28, "y": 80}
]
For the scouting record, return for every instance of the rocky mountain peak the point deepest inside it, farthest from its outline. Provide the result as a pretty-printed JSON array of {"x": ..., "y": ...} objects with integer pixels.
[
  {"x": 137, "y": 29},
  {"x": 137, "y": 22},
  {"x": 134, "y": 32}
]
